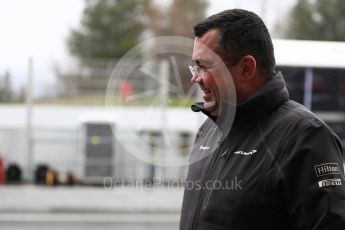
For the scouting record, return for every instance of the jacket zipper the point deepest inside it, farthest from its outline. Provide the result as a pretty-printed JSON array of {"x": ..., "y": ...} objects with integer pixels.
[{"x": 200, "y": 199}]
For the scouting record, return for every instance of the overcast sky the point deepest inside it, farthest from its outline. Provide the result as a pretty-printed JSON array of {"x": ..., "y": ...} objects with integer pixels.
[{"x": 39, "y": 28}]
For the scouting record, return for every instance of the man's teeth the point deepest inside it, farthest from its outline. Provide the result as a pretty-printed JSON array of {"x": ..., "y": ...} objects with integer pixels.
[{"x": 206, "y": 91}]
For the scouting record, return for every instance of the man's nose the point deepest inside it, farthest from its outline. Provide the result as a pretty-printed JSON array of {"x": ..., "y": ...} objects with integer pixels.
[{"x": 196, "y": 78}]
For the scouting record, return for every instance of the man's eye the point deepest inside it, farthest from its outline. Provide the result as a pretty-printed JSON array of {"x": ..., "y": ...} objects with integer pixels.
[{"x": 203, "y": 67}]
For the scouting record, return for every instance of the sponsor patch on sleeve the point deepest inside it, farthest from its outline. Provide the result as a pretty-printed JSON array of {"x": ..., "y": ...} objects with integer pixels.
[
  {"x": 326, "y": 169},
  {"x": 329, "y": 182}
]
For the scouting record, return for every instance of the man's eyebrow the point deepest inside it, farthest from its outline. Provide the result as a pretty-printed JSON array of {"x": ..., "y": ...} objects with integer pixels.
[{"x": 201, "y": 62}]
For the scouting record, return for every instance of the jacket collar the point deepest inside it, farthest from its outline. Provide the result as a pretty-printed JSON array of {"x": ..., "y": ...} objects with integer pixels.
[{"x": 259, "y": 104}]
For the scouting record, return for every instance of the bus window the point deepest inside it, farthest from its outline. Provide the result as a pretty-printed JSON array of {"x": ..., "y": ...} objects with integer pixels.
[
  {"x": 328, "y": 89},
  {"x": 294, "y": 78}
]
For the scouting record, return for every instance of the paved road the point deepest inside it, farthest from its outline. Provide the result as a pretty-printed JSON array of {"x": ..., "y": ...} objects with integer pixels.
[
  {"x": 88, "y": 221},
  {"x": 37, "y": 199},
  {"x": 87, "y": 208}
]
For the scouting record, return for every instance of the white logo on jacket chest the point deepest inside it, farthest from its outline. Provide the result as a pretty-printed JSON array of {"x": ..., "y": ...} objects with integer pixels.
[
  {"x": 245, "y": 153},
  {"x": 204, "y": 147}
]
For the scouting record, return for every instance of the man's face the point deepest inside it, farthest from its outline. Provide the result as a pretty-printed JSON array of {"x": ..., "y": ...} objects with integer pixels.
[{"x": 214, "y": 78}]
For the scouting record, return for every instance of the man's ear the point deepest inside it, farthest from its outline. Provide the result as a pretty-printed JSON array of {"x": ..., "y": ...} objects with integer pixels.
[{"x": 248, "y": 64}]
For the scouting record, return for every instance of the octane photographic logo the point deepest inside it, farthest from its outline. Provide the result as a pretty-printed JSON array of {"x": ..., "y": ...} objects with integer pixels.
[{"x": 148, "y": 101}]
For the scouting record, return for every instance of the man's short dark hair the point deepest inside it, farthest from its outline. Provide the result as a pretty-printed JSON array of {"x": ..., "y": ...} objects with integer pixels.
[{"x": 241, "y": 33}]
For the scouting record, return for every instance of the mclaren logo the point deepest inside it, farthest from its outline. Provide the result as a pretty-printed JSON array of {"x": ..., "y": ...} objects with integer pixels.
[{"x": 245, "y": 153}]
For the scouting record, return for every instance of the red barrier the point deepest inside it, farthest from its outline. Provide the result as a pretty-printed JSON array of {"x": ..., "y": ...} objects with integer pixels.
[
  {"x": 126, "y": 90},
  {"x": 2, "y": 171}
]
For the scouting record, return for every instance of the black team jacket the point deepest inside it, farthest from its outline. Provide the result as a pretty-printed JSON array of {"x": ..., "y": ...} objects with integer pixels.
[{"x": 277, "y": 166}]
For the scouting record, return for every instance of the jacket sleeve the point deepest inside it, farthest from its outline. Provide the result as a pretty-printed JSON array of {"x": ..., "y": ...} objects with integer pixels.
[{"x": 311, "y": 176}]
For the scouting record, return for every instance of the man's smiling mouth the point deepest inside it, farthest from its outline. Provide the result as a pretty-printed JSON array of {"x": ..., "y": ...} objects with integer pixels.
[{"x": 208, "y": 98}]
